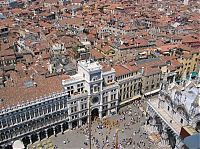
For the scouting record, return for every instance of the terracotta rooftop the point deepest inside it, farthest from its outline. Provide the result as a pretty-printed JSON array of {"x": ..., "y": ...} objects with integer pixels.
[
  {"x": 120, "y": 70},
  {"x": 96, "y": 54},
  {"x": 148, "y": 71},
  {"x": 45, "y": 86}
]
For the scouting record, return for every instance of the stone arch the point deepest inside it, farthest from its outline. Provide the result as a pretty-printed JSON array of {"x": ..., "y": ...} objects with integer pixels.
[
  {"x": 57, "y": 129},
  {"x": 94, "y": 113},
  {"x": 34, "y": 137},
  {"x": 26, "y": 140},
  {"x": 42, "y": 134},
  {"x": 171, "y": 137},
  {"x": 158, "y": 124},
  {"x": 149, "y": 120},
  {"x": 65, "y": 126},
  {"x": 50, "y": 132},
  {"x": 181, "y": 109}
]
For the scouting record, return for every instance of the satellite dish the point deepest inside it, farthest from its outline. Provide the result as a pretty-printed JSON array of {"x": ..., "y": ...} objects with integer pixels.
[{"x": 18, "y": 145}]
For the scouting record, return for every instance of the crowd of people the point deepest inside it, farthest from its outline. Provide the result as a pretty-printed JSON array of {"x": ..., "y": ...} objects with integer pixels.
[{"x": 109, "y": 132}]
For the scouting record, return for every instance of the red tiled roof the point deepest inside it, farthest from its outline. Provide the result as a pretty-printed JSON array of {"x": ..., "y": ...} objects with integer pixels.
[
  {"x": 120, "y": 70},
  {"x": 96, "y": 54},
  {"x": 14, "y": 95}
]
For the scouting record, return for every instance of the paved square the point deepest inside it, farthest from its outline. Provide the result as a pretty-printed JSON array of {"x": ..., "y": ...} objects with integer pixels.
[{"x": 128, "y": 122}]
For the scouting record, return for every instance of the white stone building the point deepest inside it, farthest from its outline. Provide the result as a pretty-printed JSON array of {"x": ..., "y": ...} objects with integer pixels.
[
  {"x": 91, "y": 83},
  {"x": 41, "y": 117},
  {"x": 175, "y": 107}
]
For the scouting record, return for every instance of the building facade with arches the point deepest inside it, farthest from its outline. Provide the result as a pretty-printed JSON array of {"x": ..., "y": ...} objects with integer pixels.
[
  {"x": 176, "y": 106},
  {"x": 93, "y": 86}
]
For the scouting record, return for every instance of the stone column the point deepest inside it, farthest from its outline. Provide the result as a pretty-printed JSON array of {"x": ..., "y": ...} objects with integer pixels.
[
  {"x": 46, "y": 133},
  {"x": 174, "y": 78},
  {"x": 108, "y": 112},
  {"x": 70, "y": 125},
  {"x": 38, "y": 135},
  {"x": 100, "y": 114},
  {"x": 62, "y": 131},
  {"x": 54, "y": 131},
  {"x": 30, "y": 140},
  {"x": 79, "y": 122}
]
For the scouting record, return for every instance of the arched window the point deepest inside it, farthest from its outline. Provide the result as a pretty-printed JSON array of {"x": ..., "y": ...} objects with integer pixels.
[{"x": 181, "y": 121}]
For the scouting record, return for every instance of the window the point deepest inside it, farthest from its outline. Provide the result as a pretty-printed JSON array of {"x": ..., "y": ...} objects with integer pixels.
[
  {"x": 72, "y": 110},
  {"x": 4, "y": 123},
  {"x": 147, "y": 88},
  {"x": 9, "y": 121},
  {"x": 49, "y": 109},
  {"x": 40, "y": 111},
  {"x": 168, "y": 108},
  {"x": 82, "y": 106},
  {"x": 113, "y": 104},
  {"x": 57, "y": 106},
  {"x": 181, "y": 121},
  {"x": 96, "y": 88},
  {"x": 157, "y": 85},
  {"x": 22, "y": 116},
  {"x": 27, "y": 115},
  {"x": 31, "y": 114},
  {"x": 61, "y": 104},
  {"x": 53, "y": 107}
]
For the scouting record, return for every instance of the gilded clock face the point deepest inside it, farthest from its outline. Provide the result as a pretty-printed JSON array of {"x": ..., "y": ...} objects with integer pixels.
[{"x": 95, "y": 100}]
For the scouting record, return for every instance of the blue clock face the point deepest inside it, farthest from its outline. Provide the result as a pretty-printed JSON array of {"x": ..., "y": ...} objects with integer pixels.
[{"x": 95, "y": 99}]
